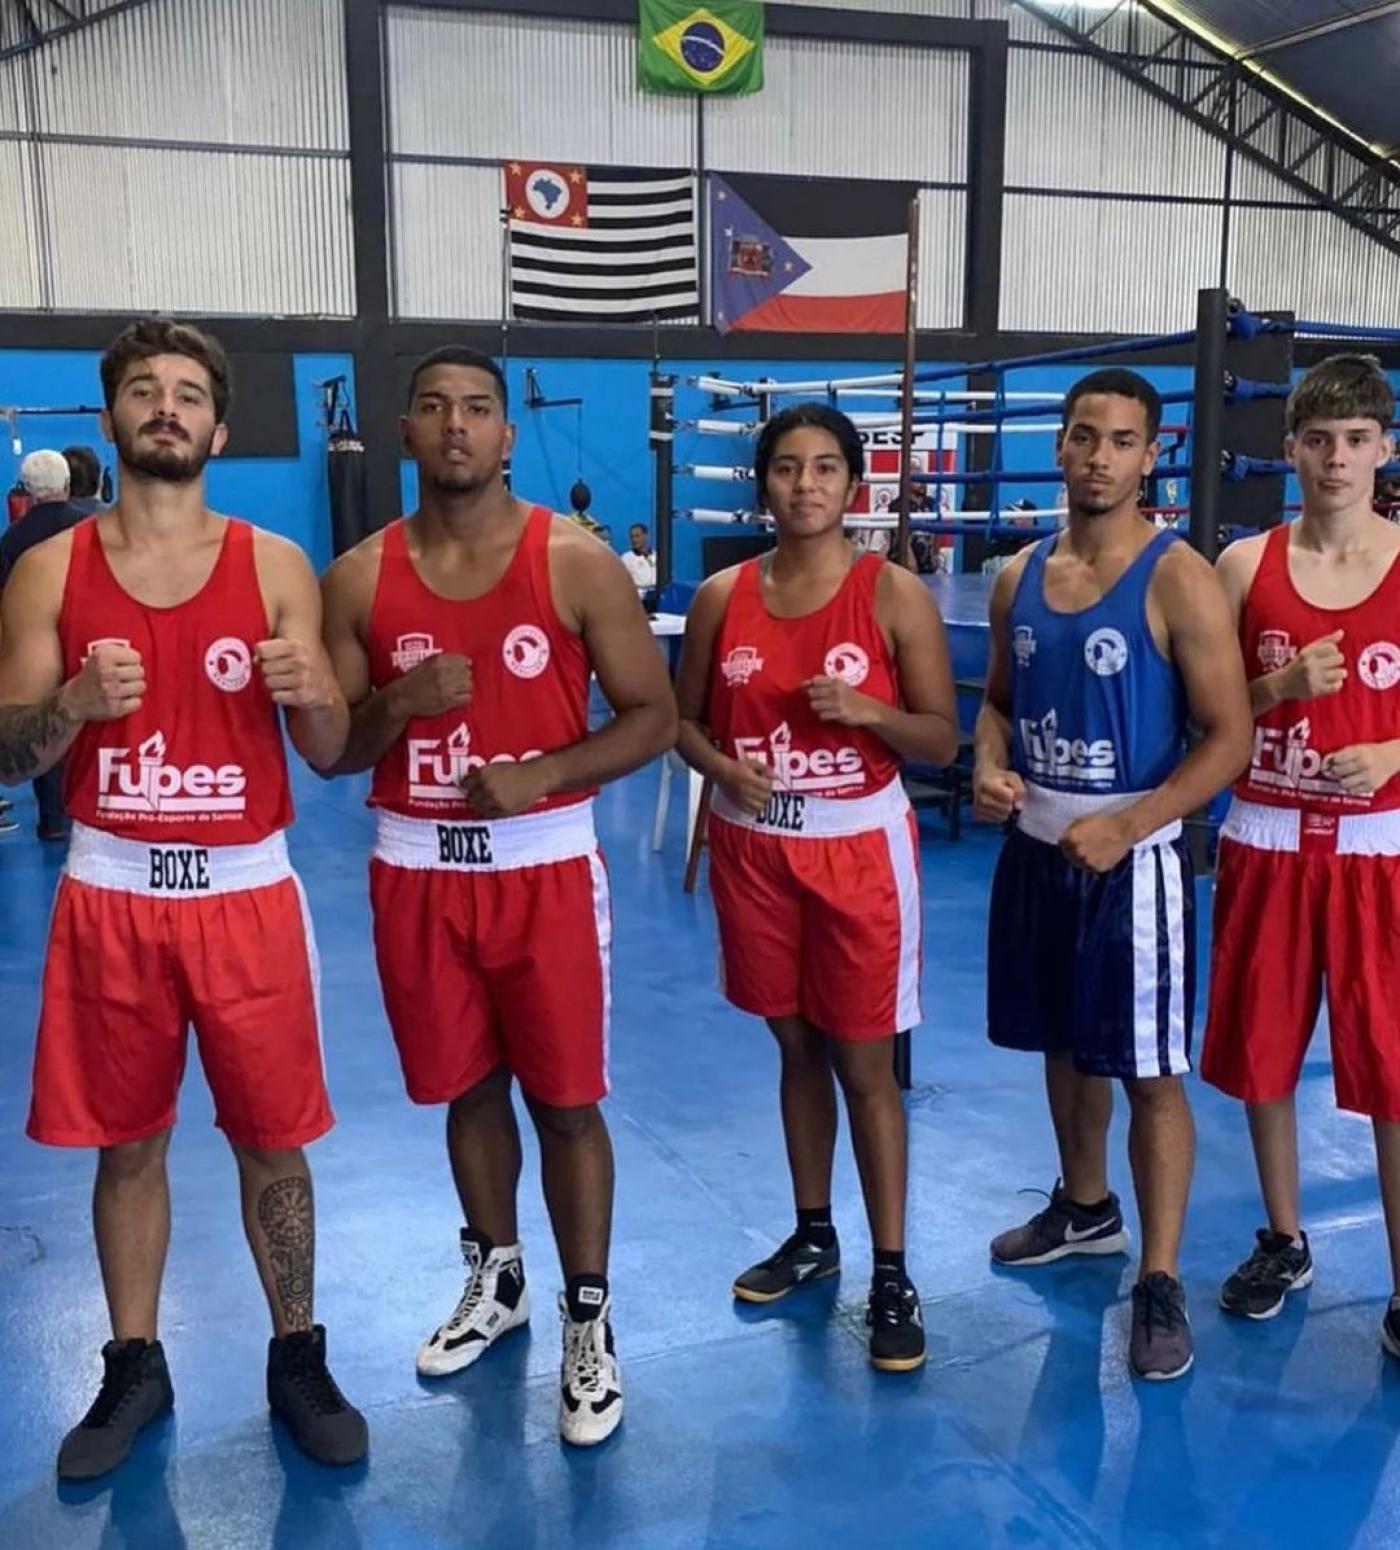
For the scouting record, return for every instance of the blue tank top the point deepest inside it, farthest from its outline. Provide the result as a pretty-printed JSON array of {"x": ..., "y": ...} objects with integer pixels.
[{"x": 1095, "y": 707}]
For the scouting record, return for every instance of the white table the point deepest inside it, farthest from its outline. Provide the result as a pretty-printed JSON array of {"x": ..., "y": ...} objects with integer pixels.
[{"x": 663, "y": 625}]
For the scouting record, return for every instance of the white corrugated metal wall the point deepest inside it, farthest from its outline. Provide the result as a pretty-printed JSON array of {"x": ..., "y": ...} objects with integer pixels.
[
  {"x": 241, "y": 205},
  {"x": 903, "y": 7},
  {"x": 20, "y": 287},
  {"x": 1105, "y": 266},
  {"x": 1073, "y": 123},
  {"x": 447, "y": 224},
  {"x": 1133, "y": 263},
  {"x": 469, "y": 91},
  {"x": 495, "y": 86},
  {"x": 479, "y": 90},
  {"x": 942, "y": 257},
  {"x": 1307, "y": 261},
  {"x": 851, "y": 110}
]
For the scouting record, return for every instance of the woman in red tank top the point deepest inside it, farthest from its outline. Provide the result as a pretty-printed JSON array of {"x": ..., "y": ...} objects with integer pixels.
[{"x": 807, "y": 675}]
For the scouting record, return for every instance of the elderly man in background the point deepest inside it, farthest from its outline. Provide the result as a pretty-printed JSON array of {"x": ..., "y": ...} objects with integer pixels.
[{"x": 64, "y": 489}]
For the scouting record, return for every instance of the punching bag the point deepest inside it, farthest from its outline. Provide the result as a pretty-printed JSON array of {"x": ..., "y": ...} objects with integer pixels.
[
  {"x": 19, "y": 501},
  {"x": 345, "y": 467}
]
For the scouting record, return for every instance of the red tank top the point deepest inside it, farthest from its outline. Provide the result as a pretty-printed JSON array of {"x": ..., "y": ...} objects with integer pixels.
[
  {"x": 529, "y": 674},
  {"x": 757, "y": 707},
  {"x": 1292, "y": 738},
  {"x": 202, "y": 761}
]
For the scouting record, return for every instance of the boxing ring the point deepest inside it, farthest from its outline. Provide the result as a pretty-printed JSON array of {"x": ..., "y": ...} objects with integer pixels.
[
  {"x": 1221, "y": 436},
  {"x": 983, "y": 460},
  {"x": 971, "y": 457}
]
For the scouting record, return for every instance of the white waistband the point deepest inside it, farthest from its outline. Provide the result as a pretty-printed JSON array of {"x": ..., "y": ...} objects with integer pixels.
[
  {"x": 501, "y": 845},
  {"x": 1047, "y": 814},
  {"x": 176, "y": 871},
  {"x": 794, "y": 813},
  {"x": 1288, "y": 828}
]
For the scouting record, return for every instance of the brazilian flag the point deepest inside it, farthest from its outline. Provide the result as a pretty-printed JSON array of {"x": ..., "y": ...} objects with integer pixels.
[{"x": 715, "y": 48}]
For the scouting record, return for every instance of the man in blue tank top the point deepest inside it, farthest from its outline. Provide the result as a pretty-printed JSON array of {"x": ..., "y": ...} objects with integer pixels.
[{"x": 1106, "y": 641}]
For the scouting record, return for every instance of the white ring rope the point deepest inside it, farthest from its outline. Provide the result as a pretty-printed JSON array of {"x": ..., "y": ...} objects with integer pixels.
[
  {"x": 876, "y": 422},
  {"x": 1010, "y": 519},
  {"x": 888, "y": 386}
]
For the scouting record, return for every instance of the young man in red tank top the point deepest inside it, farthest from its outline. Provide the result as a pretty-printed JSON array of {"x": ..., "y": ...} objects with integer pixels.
[
  {"x": 807, "y": 675},
  {"x": 1309, "y": 878},
  {"x": 152, "y": 645},
  {"x": 464, "y": 637}
]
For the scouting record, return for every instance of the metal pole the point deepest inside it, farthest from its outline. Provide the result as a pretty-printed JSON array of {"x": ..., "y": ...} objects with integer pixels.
[
  {"x": 1229, "y": 192},
  {"x": 903, "y": 1042},
  {"x": 505, "y": 310},
  {"x": 661, "y": 436},
  {"x": 900, "y": 554},
  {"x": 505, "y": 289},
  {"x": 702, "y": 215},
  {"x": 1208, "y": 418}
]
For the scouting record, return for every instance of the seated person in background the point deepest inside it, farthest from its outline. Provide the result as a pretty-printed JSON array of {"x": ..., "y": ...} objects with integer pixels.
[
  {"x": 925, "y": 553},
  {"x": 640, "y": 559}
]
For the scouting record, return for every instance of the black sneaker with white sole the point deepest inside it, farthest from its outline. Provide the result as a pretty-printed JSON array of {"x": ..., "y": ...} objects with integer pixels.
[
  {"x": 135, "y": 1391},
  {"x": 494, "y": 1301},
  {"x": 1061, "y": 1229},
  {"x": 896, "y": 1325},
  {"x": 300, "y": 1389},
  {"x": 1277, "y": 1267},
  {"x": 788, "y": 1267},
  {"x": 1160, "y": 1346}
]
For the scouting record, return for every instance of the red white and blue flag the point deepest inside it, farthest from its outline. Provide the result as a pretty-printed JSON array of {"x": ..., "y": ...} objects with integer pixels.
[{"x": 808, "y": 255}]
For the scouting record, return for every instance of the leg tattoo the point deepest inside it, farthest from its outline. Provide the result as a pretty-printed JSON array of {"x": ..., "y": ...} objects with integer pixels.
[{"x": 289, "y": 1228}]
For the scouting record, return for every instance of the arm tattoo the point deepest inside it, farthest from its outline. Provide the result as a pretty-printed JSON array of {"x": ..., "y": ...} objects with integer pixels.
[
  {"x": 289, "y": 1231},
  {"x": 28, "y": 734}
]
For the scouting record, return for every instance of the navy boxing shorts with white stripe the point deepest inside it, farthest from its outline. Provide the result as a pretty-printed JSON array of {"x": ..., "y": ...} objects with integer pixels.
[{"x": 1100, "y": 967}]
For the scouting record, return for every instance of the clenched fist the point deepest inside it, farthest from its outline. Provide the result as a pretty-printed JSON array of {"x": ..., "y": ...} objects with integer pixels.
[
  {"x": 833, "y": 699},
  {"x": 1318, "y": 669},
  {"x": 1362, "y": 769},
  {"x": 294, "y": 674},
  {"x": 108, "y": 686},
  {"x": 440, "y": 684},
  {"x": 748, "y": 784},
  {"x": 1098, "y": 842},
  {"x": 996, "y": 793},
  {"x": 505, "y": 789}
]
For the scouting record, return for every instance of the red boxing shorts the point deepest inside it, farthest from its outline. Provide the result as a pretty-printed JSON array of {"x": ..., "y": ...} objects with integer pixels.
[
  {"x": 148, "y": 939},
  {"x": 1301, "y": 899},
  {"x": 493, "y": 942},
  {"x": 819, "y": 910}
]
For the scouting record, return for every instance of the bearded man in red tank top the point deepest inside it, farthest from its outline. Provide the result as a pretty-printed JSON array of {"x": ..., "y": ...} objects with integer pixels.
[
  {"x": 1309, "y": 880},
  {"x": 464, "y": 637},
  {"x": 807, "y": 675},
  {"x": 152, "y": 644}
]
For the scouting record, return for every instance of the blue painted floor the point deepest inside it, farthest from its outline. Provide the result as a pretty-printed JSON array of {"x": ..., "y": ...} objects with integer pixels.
[{"x": 744, "y": 1428}]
